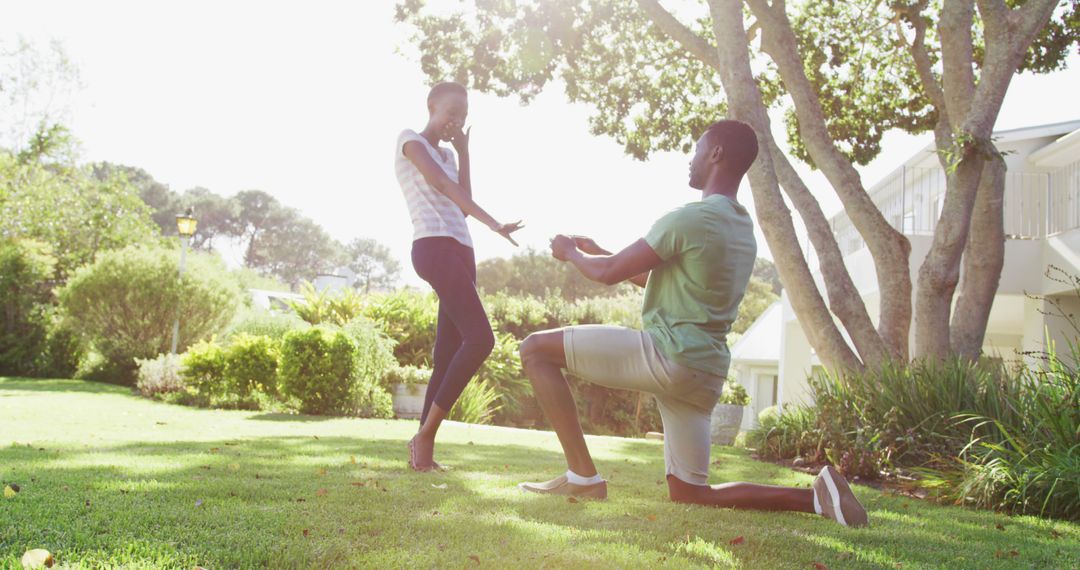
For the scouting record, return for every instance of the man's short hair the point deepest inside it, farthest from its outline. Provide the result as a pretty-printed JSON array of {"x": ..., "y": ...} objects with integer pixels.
[
  {"x": 443, "y": 88},
  {"x": 739, "y": 142}
]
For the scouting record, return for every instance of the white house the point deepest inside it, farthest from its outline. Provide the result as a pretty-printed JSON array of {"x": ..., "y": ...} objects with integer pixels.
[{"x": 1042, "y": 226}]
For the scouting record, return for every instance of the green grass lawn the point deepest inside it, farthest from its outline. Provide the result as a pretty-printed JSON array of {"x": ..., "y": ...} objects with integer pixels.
[{"x": 112, "y": 480}]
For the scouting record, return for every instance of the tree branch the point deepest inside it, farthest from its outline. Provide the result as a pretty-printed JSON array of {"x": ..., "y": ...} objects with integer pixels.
[
  {"x": 746, "y": 104},
  {"x": 921, "y": 57},
  {"x": 957, "y": 56},
  {"x": 888, "y": 246},
  {"x": 676, "y": 30},
  {"x": 844, "y": 299}
]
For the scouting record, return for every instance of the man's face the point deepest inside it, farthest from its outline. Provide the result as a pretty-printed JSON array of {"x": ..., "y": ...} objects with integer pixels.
[
  {"x": 699, "y": 164},
  {"x": 449, "y": 112}
]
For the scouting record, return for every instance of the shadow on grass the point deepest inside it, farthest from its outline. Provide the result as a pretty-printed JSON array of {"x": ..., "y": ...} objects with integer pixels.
[
  {"x": 346, "y": 502},
  {"x": 58, "y": 385},
  {"x": 283, "y": 417}
]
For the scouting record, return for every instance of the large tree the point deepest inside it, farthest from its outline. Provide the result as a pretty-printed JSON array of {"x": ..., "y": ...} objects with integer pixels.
[
  {"x": 374, "y": 265},
  {"x": 843, "y": 74}
]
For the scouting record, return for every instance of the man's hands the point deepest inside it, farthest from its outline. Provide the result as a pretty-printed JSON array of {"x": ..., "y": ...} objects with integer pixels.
[
  {"x": 587, "y": 245},
  {"x": 506, "y": 229},
  {"x": 562, "y": 247}
]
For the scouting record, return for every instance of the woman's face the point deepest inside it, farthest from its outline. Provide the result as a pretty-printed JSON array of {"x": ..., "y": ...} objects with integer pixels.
[{"x": 449, "y": 113}]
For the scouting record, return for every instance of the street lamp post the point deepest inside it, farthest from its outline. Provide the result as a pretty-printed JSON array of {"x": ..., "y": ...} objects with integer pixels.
[{"x": 185, "y": 226}]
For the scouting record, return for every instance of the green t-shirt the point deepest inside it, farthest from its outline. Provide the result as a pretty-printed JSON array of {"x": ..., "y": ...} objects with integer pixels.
[{"x": 708, "y": 249}]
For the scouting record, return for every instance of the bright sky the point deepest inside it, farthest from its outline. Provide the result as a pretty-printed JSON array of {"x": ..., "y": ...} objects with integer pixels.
[{"x": 305, "y": 100}]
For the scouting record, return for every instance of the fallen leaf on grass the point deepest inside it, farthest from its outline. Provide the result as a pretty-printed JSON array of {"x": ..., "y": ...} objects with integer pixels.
[
  {"x": 9, "y": 492},
  {"x": 37, "y": 558},
  {"x": 652, "y": 518},
  {"x": 215, "y": 450},
  {"x": 1009, "y": 554},
  {"x": 571, "y": 500},
  {"x": 737, "y": 541},
  {"x": 320, "y": 492},
  {"x": 306, "y": 532},
  {"x": 322, "y": 471},
  {"x": 475, "y": 559},
  {"x": 440, "y": 485},
  {"x": 819, "y": 566},
  {"x": 352, "y": 458},
  {"x": 358, "y": 483}
]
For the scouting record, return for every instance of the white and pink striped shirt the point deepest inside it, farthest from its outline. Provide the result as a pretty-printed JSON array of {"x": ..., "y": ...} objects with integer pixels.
[{"x": 433, "y": 214}]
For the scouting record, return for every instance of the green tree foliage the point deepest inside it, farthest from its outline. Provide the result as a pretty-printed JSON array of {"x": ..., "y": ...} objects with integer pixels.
[
  {"x": 375, "y": 267},
  {"x": 537, "y": 274},
  {"x": 26, "y": 270},
  {"x": 766, "y": 271},
  {"x": 125, "y": 303},
  {"x": 71, "y": 210}
]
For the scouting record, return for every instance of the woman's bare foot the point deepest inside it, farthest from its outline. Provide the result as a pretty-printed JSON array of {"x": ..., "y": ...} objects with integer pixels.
[{"x": 422, "y": 453}]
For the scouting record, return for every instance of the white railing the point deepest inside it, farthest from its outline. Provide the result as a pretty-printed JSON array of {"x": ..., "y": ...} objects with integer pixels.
[{"x": 1037, "y": 204}]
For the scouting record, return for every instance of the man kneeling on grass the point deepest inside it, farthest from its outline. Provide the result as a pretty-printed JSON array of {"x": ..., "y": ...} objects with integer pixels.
[{"x": 694, "y": 263}]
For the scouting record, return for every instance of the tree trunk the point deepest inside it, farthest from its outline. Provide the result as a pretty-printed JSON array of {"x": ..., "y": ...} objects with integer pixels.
[
  {"x": 984, "y": 257},
  {"x": 746, "y": 104},
  {"x": 940, "y": 272},
  {"x": 889, "y": 248},
  {"x": 844, "y": 298}
]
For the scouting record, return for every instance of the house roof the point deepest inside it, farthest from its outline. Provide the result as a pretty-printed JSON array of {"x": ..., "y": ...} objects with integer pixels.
[
  {"x": 927, "y": 157},
  {"x": 760, "y": 344}
]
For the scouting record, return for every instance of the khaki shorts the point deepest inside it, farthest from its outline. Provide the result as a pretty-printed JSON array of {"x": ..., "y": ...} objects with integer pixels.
[{"x": 626, "y": 359}]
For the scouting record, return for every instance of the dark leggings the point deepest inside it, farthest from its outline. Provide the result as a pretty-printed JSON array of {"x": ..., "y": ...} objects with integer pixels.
[{"x": 463, "y": 338}]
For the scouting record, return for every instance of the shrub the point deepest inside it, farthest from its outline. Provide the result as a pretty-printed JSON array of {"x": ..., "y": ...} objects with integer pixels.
[
  {"x": 260, "y": 322},
  {"x": 1026, "y": 462},
  {"x": 407, "y": 375},
  {"x": 64, "y": 350},
  {"x": 409, "y": 318},
  {"x": 204, "y": 369},
  {"x": 734, "y": 394},
  {"x": 26, "y": 267},
  {"x": 502, "y": 371},
  {"x": 328, "y": 307},
  {"x": 125, "y": 302},
  {"x": 790, "y": 433},
  {"x": 374, "y": 350},
  {"x": 317, "y": 368},
  {"x": 477, "y": 404},
  {"x": 250, "y": 365},
  {"x": 160, "y": 375}
]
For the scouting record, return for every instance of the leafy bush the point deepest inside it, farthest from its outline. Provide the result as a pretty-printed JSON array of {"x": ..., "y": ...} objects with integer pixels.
[
  {"x": 502, "y": 371},
  {"x": 1027, "y": 461},
  {"x": 317, "y": 368},
  {"x": 125, "y": 302},
  {"x": 734, "y": 394},
  {"x": 477, "y": 404},
  {"x": 204, "y": 367},
  {"x": 260, "y": 322},
  {"x": 409, "y": 318},
  {"x": 26, "y": 267},
  {"x": 374, "y": 358},
  {"x": 408, "y": 375},
  {"x": 790, "y": 433},
  {"x": 328, "y": 307},
  {"x": 160, "y": 375},
  {"x": 374, "y": 350},
  {"x": 251, "y": 365}
]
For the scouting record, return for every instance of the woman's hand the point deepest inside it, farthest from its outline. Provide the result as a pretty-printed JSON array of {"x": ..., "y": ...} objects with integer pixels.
[
  {"x": 506, "y": 229},
  {"x": 459, "y": 138}
]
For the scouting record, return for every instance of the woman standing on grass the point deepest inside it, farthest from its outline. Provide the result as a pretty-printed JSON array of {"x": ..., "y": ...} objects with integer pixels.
[{"x": 439, "y": 196}]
